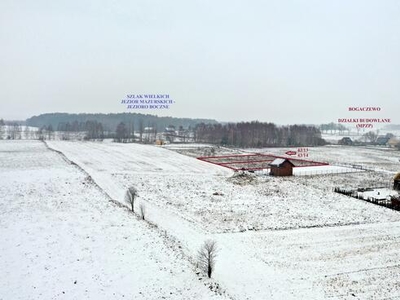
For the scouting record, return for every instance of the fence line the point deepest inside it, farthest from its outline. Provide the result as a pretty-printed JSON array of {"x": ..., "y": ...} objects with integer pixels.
[
  {"x": 389, "y": 202},
  {"x": 326, "y": 172},
  {"x": 356, "y": 166}
]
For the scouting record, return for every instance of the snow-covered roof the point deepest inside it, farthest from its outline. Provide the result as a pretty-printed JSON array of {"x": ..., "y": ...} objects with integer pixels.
[{"x": 277, "y": 162}]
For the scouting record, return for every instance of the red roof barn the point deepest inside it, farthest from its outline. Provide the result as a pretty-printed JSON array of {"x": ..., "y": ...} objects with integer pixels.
[{"x": 281, "y": 167}]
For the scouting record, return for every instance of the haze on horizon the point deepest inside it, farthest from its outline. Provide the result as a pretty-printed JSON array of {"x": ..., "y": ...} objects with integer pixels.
[{"x": 275, "y": 61}]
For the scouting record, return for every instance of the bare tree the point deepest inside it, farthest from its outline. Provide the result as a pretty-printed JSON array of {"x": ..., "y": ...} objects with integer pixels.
[
  {"x": 50, "y": 132},
  {"x": 142, "y": 210},
  {"x": 42, "y": 133},
  {"x": 141, "y": 129},
  {"x": 371, "y": 136},
  {"x": 2, "y": 126},
  {"x": 130, "y": 196},
  {"x": 207, "y": 256},
  {"x": 121, "y": 133},
  {"x": 27, "y": 132},
  {"x": 14, "y": 131},
  {"x": 154, "y": 131},
  {"x": 131, "y": 131}
]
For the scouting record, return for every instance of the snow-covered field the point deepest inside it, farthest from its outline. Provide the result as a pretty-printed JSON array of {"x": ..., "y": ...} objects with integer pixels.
[
  {"x": 372, "y": 157},
  {"x": 208, "y": 195},
  {"x": 332, "y": 246},
  {"x": 346, "y": 262},
  {"x": 355, "y": 135},
  {"x": 61, "y": 237}
]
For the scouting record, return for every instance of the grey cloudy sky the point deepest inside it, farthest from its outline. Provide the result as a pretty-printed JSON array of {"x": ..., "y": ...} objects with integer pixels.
[{"x": 280, "y": 61}]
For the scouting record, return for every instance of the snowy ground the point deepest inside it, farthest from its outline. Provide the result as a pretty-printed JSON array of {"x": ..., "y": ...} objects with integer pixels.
[
  {"x": 313, "y": 258},
  {"x": 205, "y": 195},
  {"x": 197, "y": 150},
  {"x": 61, "y": 237},
  {"x": 347, "y": 262},
  {"x": 376, "y": 158}
]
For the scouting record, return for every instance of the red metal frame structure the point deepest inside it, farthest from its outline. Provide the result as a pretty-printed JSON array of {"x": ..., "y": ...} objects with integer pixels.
[{"x": 254, "y": 162}]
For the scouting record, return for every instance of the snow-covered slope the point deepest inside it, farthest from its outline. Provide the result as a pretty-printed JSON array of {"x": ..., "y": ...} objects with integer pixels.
[{"x": 61, "y": 237}]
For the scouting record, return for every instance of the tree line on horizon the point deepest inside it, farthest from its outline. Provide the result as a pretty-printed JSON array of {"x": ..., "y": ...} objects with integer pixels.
[
  {"x": 244, "y": 134},
  {"x": 258, "y": 134},
  {"x": 110, "y": 121},
  {"x": 136, "y": 127},
  {"x": 133, "y": 129}
]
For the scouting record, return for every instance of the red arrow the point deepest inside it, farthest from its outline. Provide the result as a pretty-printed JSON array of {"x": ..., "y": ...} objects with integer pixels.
[{"x": 290, "y": 152}]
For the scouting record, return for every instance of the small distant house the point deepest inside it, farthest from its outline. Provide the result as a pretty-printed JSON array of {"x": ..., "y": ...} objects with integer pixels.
[
  {"x": 281, "y": 167},
  {"x": 170, "y": 134},
  {"x": 170, "y": 129},
  {"x": 346, "y": 141}
]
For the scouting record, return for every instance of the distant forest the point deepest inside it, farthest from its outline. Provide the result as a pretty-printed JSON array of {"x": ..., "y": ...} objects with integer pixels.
[
  {"x": 110, "y": 122},
  {"x": 258, "y": 134},
  {"x": 131, "y": 127}
]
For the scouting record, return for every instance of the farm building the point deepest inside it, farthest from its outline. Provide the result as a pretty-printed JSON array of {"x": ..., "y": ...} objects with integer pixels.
[
  {"x": 396, "y": 182},
  {"x": 382, "y": 140},
  {"x": 281, "y": 167},
  {"x": 345, "y": 141}
]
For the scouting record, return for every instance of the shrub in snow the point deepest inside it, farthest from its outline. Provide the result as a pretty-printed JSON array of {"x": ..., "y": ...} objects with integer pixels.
[
  {"x": 130, "y": 196},
  {"x": 142, "y": 210},
  {"x": 207, "y": 256}
]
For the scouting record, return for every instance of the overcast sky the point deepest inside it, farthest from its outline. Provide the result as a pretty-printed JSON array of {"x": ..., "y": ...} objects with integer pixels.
[{"x": 279, "y": 61}]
